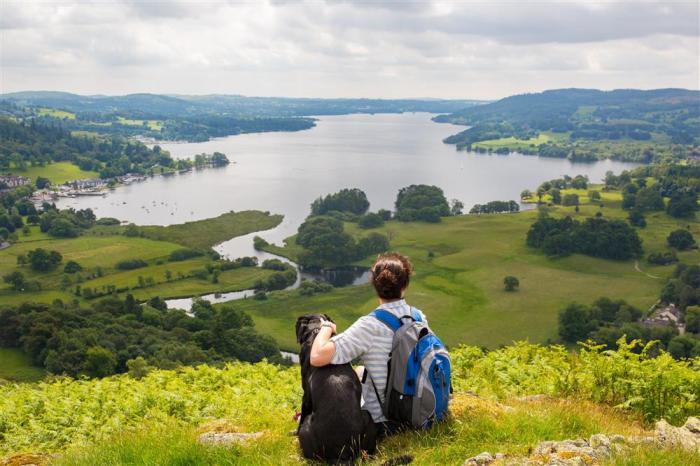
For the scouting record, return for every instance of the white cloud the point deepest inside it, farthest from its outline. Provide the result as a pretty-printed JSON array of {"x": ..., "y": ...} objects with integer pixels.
[{"x": 468, "y": 49}]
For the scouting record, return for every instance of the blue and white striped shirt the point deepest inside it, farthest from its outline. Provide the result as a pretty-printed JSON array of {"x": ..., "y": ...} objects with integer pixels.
[{"x": 370, "y": 340}]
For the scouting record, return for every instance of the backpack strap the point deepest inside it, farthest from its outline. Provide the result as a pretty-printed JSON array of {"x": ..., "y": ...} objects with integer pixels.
[{"x": 387, "y": 318}]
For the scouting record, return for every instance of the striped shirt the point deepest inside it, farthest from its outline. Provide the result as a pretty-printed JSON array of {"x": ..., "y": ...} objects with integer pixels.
[{"x": 370, "y": 340}]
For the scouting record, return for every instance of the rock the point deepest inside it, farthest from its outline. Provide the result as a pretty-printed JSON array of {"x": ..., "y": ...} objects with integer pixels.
[
  {"x": 693, "y": 425},
  {"x": 599, "y": 440},
  {"x": 678, "y": 437},
  {"x": 499, "y": 456},
  {"x": 480, "y": 459},
  {"x": 617, "y": 438},
  {"x": 538, "y": 397},
  {"x": 227, "y": 438},
  {"x": 545, "y": 448}
]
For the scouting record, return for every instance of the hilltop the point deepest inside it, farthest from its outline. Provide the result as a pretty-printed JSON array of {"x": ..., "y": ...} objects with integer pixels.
[
  {"x": 585, "y": 124},
  {"x": 506, "y": 401}
]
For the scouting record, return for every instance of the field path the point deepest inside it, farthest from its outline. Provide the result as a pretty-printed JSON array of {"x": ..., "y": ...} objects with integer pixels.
[{"x": 636, "y": 267}]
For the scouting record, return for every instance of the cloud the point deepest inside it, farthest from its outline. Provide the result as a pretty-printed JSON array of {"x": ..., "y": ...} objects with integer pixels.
[{"x": 466, "y": 49}]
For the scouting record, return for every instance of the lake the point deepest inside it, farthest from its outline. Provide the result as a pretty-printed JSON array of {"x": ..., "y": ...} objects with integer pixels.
[{"x": 284, "y": 172}]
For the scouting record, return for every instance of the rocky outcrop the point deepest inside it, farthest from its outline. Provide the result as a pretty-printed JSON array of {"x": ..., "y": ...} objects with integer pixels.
[
  {"x": 598, "y": 448},
  {"x": 227, "y": 438}
]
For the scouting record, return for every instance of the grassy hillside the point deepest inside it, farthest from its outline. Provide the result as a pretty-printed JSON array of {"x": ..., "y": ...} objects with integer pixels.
[
  {"x": 155, "y": 420},
  {"x": 101, "y": 248},
  {"x": 206, "y": 233},
  {"x": 16, "y": 366},
  {"x": 57, "y": 172},
  {"x": 460, "y": 265}
]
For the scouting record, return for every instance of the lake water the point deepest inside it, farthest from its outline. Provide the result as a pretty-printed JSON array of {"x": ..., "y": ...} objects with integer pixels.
[{"x": 284, "y": 172}]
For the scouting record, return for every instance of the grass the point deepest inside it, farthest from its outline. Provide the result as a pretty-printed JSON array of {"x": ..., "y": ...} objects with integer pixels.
[
  {"x": 153, "y": 125},
  {"x": 477, "y": 425},
  {"x": 57, "y": 172},
  {"x": 16, "y": 366},
  {"x": 514, "y": 143},
  {"x": 230, "y": 280},
  {"x": 203, "y": 234},
  {"x": 460, "y": 265},
  {"x": 53, "y": 112}
]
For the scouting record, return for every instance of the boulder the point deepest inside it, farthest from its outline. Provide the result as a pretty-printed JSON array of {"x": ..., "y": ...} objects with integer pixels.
[
  {"x": 686, "y": 437},
  {"x": 480, "y": 459},
  {"x": 227, "y": 438}
]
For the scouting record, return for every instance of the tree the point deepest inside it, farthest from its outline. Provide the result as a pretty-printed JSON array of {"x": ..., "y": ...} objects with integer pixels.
[
  {"x": 99, "y": 362},
  {"x": 456, "y": 207},
  {"x": 570, "y": 199},
  {"x": 138, "y": 367},
  {"x": 346, "y": 200},
  {"x": 72, "y": 267},
  {"x": 42, "y": 182},
  {"x": 636, "y": 218},
  {"x": 526, "y": 194},
  {"x": 649, "y": 199},
  {"x": 132, "y": 230},
  {"x": 42, "y": 260},
  {"x": 682, "y": 205},
  {"x": 370, "y": 220},
  {"x": 681, "y": 239},
  {"x": 421, "y": 203},
  {"x": 511, "y": 283},
  {"x": 594, "y": 195},
  {"x": 682, "y": 346},
  {"x": 555, "y": 195},
  {"x": 692, "y": 319},
  {"x": 575, "y": 323},
  {"x": 16, "y": 280}
]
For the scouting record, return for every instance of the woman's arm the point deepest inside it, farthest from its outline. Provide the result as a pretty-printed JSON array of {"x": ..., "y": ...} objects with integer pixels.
[{"x": 323, "y": 349}]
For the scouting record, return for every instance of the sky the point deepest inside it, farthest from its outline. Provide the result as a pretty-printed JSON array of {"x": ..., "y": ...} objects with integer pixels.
[{"x": 344, "y": 48}]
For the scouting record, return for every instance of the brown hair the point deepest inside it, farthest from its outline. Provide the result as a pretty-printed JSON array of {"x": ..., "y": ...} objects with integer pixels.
[{"x": 390, "y": 275}]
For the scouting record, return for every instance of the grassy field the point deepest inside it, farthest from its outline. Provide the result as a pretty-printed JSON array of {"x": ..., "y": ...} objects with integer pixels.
[
  {"x": 461, "y": 286},
  {"x": 203, "y": 234},
  {"x": 52, "y": 112},
  {"x": 100, "y": 249},
  {"x": 514, "y": 143},
  {"x": 57, "y": 172},
  {"x": 153, "y": 125},
  {"x": 15, "y": 366}
]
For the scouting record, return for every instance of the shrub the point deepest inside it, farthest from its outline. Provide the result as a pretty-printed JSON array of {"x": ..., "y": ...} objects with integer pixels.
[
  {"x": 108, "y": 221},
  {"x": 421, "y": 203},
  {"x": 662, "y": 258},
  {"x": 259, "y": 243},
  {"x": 42, "y": 260},
  {"x": 72, "y": 267},
  {"x": 183, "y": 254},
  {"x": 681, "y": 239},
  {"x": 371, "y": 220},
  {"x": 312, "y": 287},
  {"x": 511, "y": 283},
  {"x": 131, "y": 264},
  {"x": 569, "y": 200},
  {"x": 346, "y": 200}
]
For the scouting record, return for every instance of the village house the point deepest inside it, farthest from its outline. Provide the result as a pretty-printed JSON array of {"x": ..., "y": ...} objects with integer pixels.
[
  {"x": 14, "y": 181},
  {"x": 664, "y": 316}
]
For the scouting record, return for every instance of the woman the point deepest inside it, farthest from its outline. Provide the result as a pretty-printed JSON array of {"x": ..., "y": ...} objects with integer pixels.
[{"x": 368, "y": 338}]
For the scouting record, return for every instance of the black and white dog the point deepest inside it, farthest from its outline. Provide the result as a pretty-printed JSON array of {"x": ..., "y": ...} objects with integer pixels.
[{"x": 332, "y": 427}]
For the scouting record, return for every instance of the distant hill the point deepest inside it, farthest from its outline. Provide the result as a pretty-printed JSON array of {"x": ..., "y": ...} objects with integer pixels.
[
  {"x": 159, "y": 106},
  {"x": 663, "y": 116}
]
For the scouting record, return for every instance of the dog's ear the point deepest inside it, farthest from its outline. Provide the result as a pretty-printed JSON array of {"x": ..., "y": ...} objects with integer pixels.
[
  {"x": 328, "y": 318},
  {"x": 301, "y": 323}
]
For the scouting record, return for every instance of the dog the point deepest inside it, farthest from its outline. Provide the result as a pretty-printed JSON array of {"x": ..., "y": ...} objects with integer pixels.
[{"x": 332, "y": 426}]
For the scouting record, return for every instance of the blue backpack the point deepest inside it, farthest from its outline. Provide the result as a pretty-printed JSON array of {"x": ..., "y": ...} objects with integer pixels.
[{"x": 418, "y": 384}]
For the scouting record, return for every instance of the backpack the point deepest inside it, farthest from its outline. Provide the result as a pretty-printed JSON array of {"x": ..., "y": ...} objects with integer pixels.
[{"x": 418, "y": 384}]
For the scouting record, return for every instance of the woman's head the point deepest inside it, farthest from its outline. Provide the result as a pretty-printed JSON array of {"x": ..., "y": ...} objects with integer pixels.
[{"x": 390, "y": 275}]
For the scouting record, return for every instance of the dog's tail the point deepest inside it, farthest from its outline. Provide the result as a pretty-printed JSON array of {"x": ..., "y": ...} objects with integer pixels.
[{"x": 397, "y": 460}]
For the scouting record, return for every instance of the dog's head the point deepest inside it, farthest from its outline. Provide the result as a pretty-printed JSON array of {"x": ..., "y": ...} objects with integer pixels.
[{"x": 308, "y": 326}]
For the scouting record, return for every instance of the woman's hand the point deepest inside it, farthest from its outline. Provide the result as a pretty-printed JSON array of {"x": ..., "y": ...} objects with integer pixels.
[{"x": 323, "y": 349}]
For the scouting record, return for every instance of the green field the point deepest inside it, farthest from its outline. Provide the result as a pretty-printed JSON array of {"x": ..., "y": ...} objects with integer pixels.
[
  {"x": 204, "y": 234},
  {"x": 514, "y": 143},
  {"x": 52, "y": 112},
  {"x": 153, "y": 125},
  {"x": 461, "y": 287},
  {"x": 57, "y": 172},
  {"x": 100, "y": 249},
  {"x": 15, "y": 366}
]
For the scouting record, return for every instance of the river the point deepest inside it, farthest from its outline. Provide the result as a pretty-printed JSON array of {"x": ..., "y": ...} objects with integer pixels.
[{"x": 284, "y": 172}]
